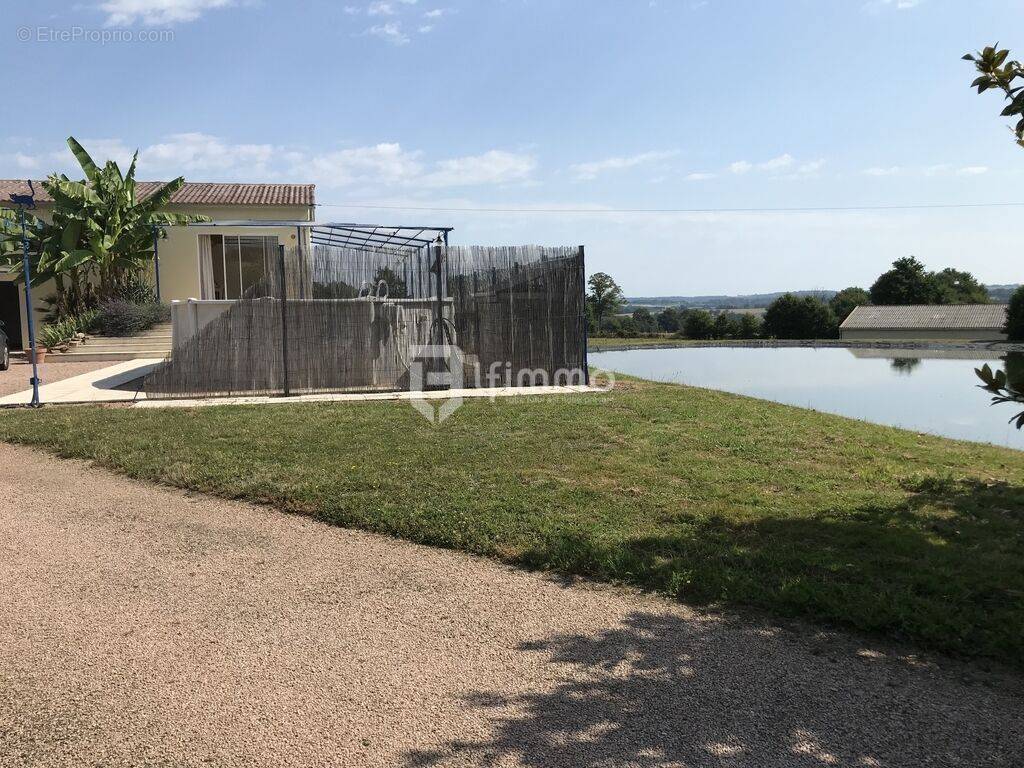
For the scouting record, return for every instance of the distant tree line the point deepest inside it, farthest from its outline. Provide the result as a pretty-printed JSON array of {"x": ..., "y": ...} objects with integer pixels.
[{"x": 791, "y": 315}]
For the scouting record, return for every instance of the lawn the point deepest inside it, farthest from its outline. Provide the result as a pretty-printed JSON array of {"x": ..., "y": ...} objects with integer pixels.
[
  {"x": 703, "y": 495},
  {"x": 603, "y": 342}
]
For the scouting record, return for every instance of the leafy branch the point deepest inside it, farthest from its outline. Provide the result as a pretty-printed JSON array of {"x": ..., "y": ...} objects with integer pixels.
[
  {"x": 996, "y": 72},
  {"x": 998, "y": 383}
]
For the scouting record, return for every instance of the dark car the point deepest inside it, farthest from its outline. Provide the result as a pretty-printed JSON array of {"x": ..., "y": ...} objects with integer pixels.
[{"x": 5, "y": 349}]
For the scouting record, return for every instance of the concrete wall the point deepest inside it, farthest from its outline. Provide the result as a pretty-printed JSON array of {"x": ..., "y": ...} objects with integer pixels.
[
  {"x": 179, "y": 252},
  {"x": 921, "y": 335}
]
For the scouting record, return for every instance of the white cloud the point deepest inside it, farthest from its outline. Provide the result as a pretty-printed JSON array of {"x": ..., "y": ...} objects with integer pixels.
[
  {"x": 493, "y": 167},
  {"x": 386, "y": 7},
  {"x": 972, "y": 170},
  {"x": 740, "y": 166},
  {"x": 203, "y": 157},
  {"x": 189, "y": 153},
  {"x": 776, "y": 163},
  {"x": 810, "y": 168},
  {"x": 20, "y": 161},
  {"x": 435, "y": 13},
  {"x": 385, "y": 163},
  {"x": 390, "y": 32},
  {"x": 425, "y": 29},
  {"x": 591, "y": 170},
  {"x": 700, "y": 176},
  {"x": 891, "y": 170},
  {"x": 157, "y": 12},
  {"x": 876, "y": 6}
]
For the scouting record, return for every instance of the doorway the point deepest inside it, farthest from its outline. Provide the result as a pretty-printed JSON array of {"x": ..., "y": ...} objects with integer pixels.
[{"x": 10, "y": 312}]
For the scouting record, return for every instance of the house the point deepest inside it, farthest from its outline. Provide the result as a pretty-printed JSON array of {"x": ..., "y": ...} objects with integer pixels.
[
  {"x": 194, "y": 262},
  {"x": 945, "y": 322}
]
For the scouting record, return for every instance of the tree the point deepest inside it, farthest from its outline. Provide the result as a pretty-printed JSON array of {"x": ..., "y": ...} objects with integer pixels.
[
  {"x": 644, "y": 320},
  {"x": 996, "y": 72},
  {"x": 99, "y": 231},
  {"x": 699, "y": 324},
  {"x": 750, "y": 326},
  {"x": 1014, "y": 328},
  {"x": 668, "y": 320},
  {"x": 844, "y": 302},
  {"x": 791, "y": 317},
  {"x": 953, "y": 286},
  {"x": 605, "y": 297},
  {"x": 908, "y": 282},
  {"x": 727, "y": 325}
]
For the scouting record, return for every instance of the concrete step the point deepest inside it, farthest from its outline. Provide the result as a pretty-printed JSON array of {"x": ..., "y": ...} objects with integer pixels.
[
  {"x": 99, "y": 341},
  {"x": 85, "y": 355}
]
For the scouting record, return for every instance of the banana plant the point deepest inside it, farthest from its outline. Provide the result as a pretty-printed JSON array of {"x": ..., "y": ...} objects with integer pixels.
[{"x": 99, "y": 233}]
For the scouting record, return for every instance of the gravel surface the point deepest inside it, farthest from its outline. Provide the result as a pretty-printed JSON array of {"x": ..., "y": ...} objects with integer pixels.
[
  {"x": 145, "y": 626},
  {"x": 16, "y": 378}
]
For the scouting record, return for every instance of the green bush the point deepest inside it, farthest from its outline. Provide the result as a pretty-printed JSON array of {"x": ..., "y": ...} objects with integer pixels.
[
  {"x": 1015, "y": 316},
  {"x": 136, "y": 290},
  {"x": 119, "y": 317}
]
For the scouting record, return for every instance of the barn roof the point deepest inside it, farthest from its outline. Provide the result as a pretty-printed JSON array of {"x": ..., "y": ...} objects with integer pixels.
[{"x": 927, "y": 317}]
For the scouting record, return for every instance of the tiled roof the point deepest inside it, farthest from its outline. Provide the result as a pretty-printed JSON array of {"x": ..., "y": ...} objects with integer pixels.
[
  {"x": 928, "y": 317},
  {"x": 195, "y": 193}
]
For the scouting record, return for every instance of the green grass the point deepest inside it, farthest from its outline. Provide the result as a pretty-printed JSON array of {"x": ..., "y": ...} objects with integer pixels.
[
  {"x": 703, "y": 495},
  {"x": 603, "y": 342}
]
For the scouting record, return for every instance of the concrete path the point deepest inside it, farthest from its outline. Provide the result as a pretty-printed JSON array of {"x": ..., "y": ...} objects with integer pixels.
[
  {"x": 144, "y": 626},
  {"x": 17, "y": 378},
  {"x": 98, "y": 384}
]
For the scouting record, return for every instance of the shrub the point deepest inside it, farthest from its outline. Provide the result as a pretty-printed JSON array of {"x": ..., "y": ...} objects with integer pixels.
[
  {"x": 52, "y": 335},
  {"x": 119, "y": 317},
  {"x": 136, "y": 290}
]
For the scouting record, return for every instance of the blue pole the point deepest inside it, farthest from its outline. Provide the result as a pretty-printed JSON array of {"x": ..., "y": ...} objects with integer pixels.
[
  {"x": 156, "y": 261},
  {"x": 28, "y": 311}
]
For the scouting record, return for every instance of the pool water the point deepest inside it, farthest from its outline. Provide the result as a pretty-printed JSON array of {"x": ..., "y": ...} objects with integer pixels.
[{"x": 923, "y": 390}]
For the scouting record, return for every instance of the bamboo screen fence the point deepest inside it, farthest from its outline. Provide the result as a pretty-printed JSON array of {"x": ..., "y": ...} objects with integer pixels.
[{"x": 335, "y": 319}]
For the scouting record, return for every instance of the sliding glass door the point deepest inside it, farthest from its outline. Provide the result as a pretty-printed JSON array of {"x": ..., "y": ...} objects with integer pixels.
[{"x": 235, "y": 264}]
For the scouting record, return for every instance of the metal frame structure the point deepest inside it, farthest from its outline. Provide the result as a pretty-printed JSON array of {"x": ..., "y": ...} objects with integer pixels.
[{"x": 350, "y": 235}]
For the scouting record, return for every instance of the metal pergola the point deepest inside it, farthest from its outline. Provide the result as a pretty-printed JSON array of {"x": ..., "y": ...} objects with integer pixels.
[
  {"x": 349, "y": 235},
  {"x": 361, "y": 237}
]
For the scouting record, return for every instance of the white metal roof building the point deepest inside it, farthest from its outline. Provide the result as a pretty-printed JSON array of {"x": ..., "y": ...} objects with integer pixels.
[{"x": 961, "y": 322}]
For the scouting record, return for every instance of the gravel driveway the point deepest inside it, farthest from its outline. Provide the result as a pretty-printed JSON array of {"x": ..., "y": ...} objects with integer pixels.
[{"x": 145, "y": 626}]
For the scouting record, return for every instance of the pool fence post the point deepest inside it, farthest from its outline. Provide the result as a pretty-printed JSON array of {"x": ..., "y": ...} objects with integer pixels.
[
  {"x": 284, "y": 318},
  {"x": 583, "y": 317}
]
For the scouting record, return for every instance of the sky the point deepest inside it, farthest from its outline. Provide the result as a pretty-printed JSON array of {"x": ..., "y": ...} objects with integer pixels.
[{"x": 555, "y": 121}]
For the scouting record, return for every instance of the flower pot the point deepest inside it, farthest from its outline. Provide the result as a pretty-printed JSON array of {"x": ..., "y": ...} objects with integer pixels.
[{"x": 40, "y": 355}]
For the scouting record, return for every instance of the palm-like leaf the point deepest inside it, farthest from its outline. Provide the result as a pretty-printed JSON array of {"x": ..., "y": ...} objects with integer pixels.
[
  {"x": 160, "y": 198},
  {"x": 88, "y": 166}
]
